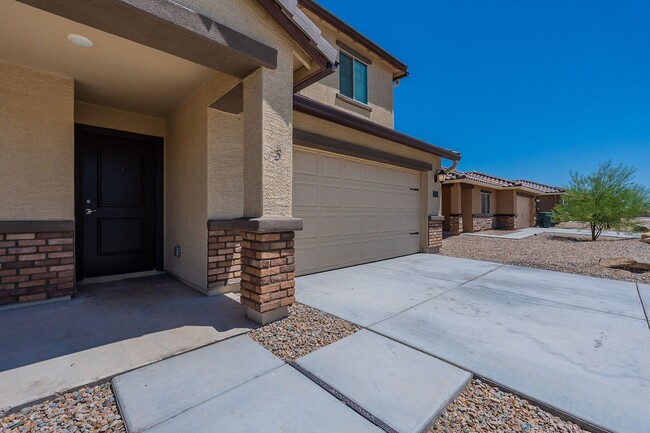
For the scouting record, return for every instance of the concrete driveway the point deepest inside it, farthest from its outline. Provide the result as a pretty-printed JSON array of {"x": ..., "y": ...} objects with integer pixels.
[{"x": 577, "y": 344}]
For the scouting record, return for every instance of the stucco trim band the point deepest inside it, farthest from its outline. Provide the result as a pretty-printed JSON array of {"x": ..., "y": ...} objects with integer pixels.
[
  {"x": 317, "y": 109},
  {"x": 436, "y": 218},
  {"x": 169, "y": 27},
  {"x": 36, "y": 226},
  {"x": 257, "y": 225},
  {"x": 320, "y": 142}
]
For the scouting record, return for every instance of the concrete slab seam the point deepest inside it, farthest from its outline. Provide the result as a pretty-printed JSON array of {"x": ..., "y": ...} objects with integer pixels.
[
  {"x": 345, "y": 400},
  {"x": 433, "y": 297},
  {"x": 565, "y": 416},
  {"x": 638, "y": 291},
  {"x": 561, "y": 303},
  {"x": 499, "y": 265},
  {"x": 204, "y": 401}
]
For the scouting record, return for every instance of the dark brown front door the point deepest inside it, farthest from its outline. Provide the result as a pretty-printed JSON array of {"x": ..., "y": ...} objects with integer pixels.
[{"x": 118, "y": 189}]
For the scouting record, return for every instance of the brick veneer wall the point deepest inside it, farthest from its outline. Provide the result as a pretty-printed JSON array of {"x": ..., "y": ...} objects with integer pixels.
[
  {"x": 507, "y": 222},
  {"x": 483, "y": 222},
  {"x": 36, "y": 266},
  {"x": 435, "y": 234},
  {"x": 456, "y": 224},
  {"x": 267, "y": 270},
  {"x": 224, "y": 260}
]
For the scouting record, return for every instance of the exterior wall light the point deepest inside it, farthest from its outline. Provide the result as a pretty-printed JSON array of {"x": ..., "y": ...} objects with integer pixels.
[{"x": 441, "y": 176}]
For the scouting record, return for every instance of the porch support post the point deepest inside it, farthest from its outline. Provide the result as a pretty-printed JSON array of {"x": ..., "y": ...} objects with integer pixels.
[
  {"x": 267, "y": 246},
  {"x": 456, "y": 214},
  {"x": 434, "y": 233}
]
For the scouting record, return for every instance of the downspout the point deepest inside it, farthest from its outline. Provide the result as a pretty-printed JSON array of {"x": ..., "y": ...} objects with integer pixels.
[{"x": 453, "y": 166}]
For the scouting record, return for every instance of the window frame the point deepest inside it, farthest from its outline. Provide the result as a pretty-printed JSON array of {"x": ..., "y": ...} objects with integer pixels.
[
  {"x": 483, "y": 202},
  {"x": 354, "y": 59}
]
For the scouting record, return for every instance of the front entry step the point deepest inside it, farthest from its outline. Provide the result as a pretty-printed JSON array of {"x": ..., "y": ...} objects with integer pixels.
[
  {"x": 232, "y": 386},
  {"x": 404, "y": 388}
]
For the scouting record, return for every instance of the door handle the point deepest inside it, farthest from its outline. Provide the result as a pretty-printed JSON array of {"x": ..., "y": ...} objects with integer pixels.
[{"x": 89, "y": 211}]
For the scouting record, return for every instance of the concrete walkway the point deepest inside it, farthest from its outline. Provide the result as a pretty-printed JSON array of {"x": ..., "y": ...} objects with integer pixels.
[
  {"x": 107, "y": 329},
  {"x": 575, "y": 343},
  {"x": 362, "y": 383},
  {"x": 532, "y": 231}
]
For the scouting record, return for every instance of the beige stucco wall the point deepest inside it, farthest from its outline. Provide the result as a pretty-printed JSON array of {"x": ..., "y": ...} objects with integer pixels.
[
  {"x": 380, "y": 82},
  {"x": 36, "y": 144},
  {"x": 476, "y": 200},
  {"x": 329, "y": 129},
  {"x": 106, "y": 117},
  {"x": 225, "y": 165},
  {"x": 507, "y": 202},
  {"x": 220, "y": 165},
  {"x": 188, "y": 180},
  {"x": 547, "y": 202}
]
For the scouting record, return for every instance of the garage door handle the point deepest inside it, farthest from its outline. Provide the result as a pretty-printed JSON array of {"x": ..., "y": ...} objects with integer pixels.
[
  {"x": 414, "y": 189},
  {"x": 415, "y": 233}
]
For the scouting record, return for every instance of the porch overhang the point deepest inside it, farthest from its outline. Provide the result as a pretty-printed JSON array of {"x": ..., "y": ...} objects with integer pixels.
[{"x": 171, "y": 28}]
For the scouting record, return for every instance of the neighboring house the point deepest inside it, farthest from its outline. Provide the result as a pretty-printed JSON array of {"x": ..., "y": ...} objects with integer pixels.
[
  {"x": 197, "y": 137},
  {"x": 473, "y": 201}
]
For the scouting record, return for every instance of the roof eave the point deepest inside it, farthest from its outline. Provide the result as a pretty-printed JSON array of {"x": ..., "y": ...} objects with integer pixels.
[
  {"x": 324, "y": 14},
  {"x": 326, "y": 112}
]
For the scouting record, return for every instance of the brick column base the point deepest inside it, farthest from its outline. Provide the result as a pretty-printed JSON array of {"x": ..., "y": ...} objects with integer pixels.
[
  {"x": 434, "y": 234},
  {"x": 224, "y": 261},
  {"x": 267, "y": 286},
  {"x": 456, "y": 224}
]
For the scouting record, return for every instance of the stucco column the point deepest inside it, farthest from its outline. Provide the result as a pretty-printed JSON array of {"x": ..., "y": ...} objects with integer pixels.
[
  {"x": 455, "y": 212},
  {"x": 268, "y": 120},
  {"x": 267, "y": 250}
]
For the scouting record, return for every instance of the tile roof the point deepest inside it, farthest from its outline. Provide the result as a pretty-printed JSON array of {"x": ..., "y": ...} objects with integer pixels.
[
  {"x": 539, "y": 186},
  {"x": 488, "y": 179}
]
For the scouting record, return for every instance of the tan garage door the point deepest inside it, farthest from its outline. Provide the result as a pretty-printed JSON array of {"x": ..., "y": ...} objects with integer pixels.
[
  {"x": 524, "y": 212},
  {"x": 354, "y": 211}
]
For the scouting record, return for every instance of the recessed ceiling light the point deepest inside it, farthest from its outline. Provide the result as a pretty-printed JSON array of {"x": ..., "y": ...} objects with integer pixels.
[{"x": 80, "y": 41}]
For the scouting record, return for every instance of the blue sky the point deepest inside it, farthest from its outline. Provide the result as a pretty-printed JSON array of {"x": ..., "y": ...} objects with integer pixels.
[{"x": 523, "y": 89}]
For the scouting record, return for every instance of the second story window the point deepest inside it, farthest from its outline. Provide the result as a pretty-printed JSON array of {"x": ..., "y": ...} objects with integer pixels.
[{"x": 353, "y": 78}]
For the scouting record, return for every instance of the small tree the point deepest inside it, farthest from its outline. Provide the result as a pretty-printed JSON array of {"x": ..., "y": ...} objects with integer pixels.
[{"x": 605, "y": 199}]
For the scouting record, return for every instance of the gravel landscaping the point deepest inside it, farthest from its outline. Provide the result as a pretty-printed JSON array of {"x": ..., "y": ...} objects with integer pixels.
[
  {"x": 481, "y": 408},
  {"x": 564, "y": 253},
  {"x": 87, "y": 410},
  {"x": 304, "y": 331}
]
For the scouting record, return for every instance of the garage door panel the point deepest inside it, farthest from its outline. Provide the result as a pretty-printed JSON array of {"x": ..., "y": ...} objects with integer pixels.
[
  {"x": 305, "y": 163},
  {"x": 370, "y": 198},
  {"x": 351, "y": 197},
  {"x": 351, "y": 253},
  {"x": 351, "y": 225},
  {"x": 330, "y": 167},
  {"x": 370, "y": 173},
  {"x": 353, "y": 211},
  {"x": 307, "y": 260},
  {"x": 309, "y": 227},
  {"x": 352, "y": 170},
  {"x": 330, "y": 226},
  {"x": 306, "y": 193},
  {"x": 370, "y": 224},
  {"x": 330, "y": 196}
]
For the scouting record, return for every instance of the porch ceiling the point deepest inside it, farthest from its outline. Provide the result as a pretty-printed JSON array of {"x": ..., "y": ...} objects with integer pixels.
[{"x": 115, "y": 72}]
